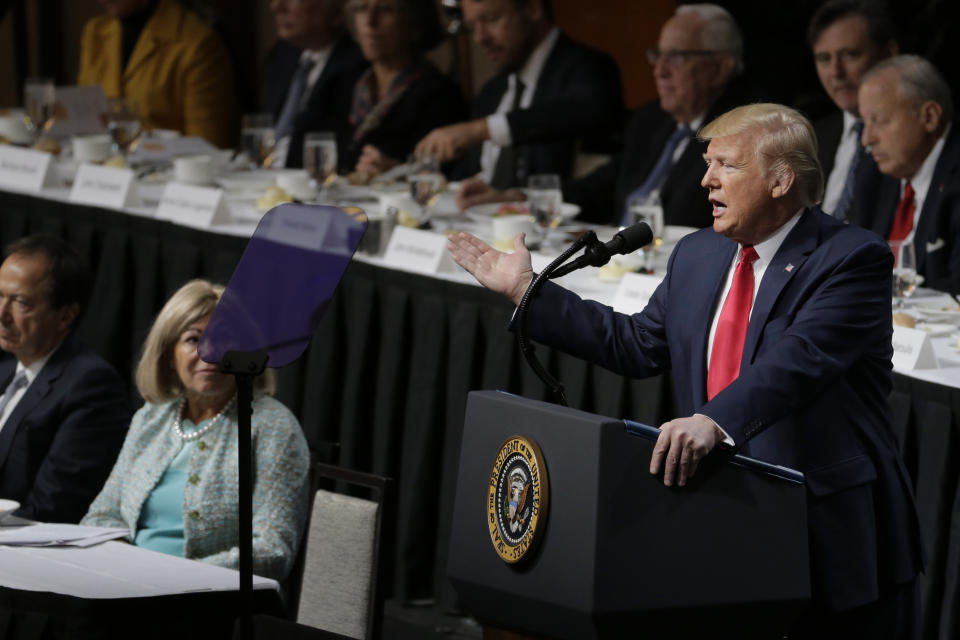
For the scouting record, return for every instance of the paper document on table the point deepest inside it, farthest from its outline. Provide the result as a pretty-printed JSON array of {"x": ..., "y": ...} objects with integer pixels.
[{"x": 60, "y": 535}]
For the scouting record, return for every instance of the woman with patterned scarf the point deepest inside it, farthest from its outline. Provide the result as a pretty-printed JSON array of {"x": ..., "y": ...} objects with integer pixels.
[{"x": 401, "y": 97}]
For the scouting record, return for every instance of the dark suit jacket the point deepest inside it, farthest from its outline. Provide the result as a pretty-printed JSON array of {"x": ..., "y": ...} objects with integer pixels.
[
  {"x": 937, "y": 237},
  {"x": 578, "y": 101},
  {"x": 812, "y": 391},
  {"x": 434, "y": 100},
  {"x": 828, "y": 130},
  {"x": 59, "y": 444},
  {"x": 602, "y": 194},
  {"x": 328, "y": 105}
]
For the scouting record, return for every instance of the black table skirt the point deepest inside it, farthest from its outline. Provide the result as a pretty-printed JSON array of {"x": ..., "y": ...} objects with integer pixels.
[{"x": 389, "y": 369}]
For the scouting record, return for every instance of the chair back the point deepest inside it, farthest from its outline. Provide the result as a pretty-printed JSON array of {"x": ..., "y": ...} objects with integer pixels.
[{"x": 341, "y": 589}]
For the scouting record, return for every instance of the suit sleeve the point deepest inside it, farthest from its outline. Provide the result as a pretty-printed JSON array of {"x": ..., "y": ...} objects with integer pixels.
[
  {"x": 845, "y": 321},
  {"x": 95, "y": 419}
]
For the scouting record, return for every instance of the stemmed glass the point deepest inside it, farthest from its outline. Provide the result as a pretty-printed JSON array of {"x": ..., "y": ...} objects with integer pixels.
[
  {"x": 123, "y": 123},
  {"x": 904, "y": 270},
  {"x": 257, "y": 138},
  {"x": 39, "y": 97},
  {"x": 320, "y": 157}
]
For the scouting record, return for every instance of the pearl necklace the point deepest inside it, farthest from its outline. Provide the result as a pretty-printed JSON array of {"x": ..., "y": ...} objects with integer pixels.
[{"x": 193, "y": 435}]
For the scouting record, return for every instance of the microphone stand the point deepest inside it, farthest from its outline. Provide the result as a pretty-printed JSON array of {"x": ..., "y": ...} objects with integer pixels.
[
  {"x": 245, "y": 366},
  {"x": 589, "y": 239}
]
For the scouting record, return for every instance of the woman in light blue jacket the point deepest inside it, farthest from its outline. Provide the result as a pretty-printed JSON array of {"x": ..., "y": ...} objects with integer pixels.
[{"x": 175, "y": 482}]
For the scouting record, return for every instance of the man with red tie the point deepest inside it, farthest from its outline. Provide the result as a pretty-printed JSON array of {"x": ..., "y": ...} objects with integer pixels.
[
  {"x": 775, "y": 326},
  {"x": 907, "y": 112}
]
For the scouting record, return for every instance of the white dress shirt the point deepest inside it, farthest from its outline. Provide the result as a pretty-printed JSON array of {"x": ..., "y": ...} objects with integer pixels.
[
  {"x": 32, "y": 371},
  {"x": 922, "y": 180},
  {"x": 529, "y": 74},
  {"x": 841, "y": 164},
  {"x": 319, "y": 58}
]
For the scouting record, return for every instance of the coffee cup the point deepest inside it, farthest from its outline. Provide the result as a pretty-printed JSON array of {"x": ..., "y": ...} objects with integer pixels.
[
  {"x": 196, "y": 170},
  {"x": 93, "y": 148},
  {"x": 505, "y": 228},
  {"x": 12, "y": 127},
  {"x": 296, "y": 183}
]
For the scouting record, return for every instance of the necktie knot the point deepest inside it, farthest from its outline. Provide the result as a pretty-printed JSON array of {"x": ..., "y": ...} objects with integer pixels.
[
  {"x": 748, "y": 255},
  {"x": 19, "y": 381},
  {"x": 908, "y": 192}
]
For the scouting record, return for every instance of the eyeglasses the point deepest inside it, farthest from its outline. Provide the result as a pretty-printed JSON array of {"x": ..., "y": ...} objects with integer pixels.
[{"x": 674, "y": 57}]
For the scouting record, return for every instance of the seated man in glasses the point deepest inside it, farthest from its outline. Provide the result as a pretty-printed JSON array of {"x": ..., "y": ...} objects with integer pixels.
[
  {"x": 696, "y": 66},
  {"x": 551, "y": 96}
]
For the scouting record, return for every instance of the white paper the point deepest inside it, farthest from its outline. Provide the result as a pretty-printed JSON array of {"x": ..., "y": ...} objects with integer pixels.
[
  {"x": 24, "y": 170},
  {"x": 47, "y": 535},
  {"x": 109, "y": 187},
  {"x": 79, "y": 110},
  {"x": 418, "y": 251}
]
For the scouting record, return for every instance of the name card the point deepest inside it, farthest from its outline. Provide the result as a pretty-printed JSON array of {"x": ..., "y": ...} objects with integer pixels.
[
  {"x": 104, "y": 187},
  {"x": 912, "y": 349},
  {"x": 418, "y": 251},
  {"x": 193, "y": 206},
  {"x": 634, "y": 292},
  {"x": 25, "y": 169}
]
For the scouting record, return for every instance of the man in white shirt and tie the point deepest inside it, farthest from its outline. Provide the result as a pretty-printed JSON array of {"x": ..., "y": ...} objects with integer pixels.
[{"x": 63, "y": 410}]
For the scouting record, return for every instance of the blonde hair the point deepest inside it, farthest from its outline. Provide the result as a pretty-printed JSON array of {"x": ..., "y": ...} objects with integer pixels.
[
  {"x": 787, "y": 142},
  {"x": 156, "y": 376}
]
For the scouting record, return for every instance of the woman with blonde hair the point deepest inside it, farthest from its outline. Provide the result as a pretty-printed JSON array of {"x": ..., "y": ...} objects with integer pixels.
[{"x": 175, "y": 483}]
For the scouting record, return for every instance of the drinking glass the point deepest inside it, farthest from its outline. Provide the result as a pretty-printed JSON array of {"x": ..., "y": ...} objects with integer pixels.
[
  {"x": 545, "y": 199},
  {"x": 320, "y": 156},
  {"x": 904, "y": 270},
  {"x": 39, "y": 98},
  {"x": 426, "y": 182},
  {"x": 257, "y": 138},
  {"x": 123, "y": 123}
]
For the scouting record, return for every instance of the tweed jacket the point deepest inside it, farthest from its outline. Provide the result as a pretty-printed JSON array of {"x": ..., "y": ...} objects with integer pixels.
[
  {"x": 210, "y": 520},
  {"x": 179, "y": 73}
]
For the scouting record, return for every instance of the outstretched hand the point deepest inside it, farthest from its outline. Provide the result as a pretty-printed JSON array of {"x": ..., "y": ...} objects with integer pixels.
[{"x": 507, "y": 273}]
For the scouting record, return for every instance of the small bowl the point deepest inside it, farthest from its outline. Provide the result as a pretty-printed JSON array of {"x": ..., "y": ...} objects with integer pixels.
[{"x": 7, "y": 507}]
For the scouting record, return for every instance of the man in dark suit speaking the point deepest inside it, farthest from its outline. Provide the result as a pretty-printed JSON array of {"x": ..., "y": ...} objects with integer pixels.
[
  {"x": 775, "y": 326},
  {"x": 63, "y": 413}
]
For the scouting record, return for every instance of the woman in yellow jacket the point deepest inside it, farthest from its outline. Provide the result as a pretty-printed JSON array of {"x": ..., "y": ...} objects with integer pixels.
[{"x": 167, "y": 61}]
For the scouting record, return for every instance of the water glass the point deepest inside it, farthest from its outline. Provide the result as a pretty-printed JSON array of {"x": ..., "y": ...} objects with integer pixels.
[
  {"x": 320, "y": 156},
  {"x": 904, "y": 270},
  {"x": 39, "y": 98},
  {"x": 545, "y": 199},
  {"x": 257, "y": 138},
  {"x": 123, "y": 123}
]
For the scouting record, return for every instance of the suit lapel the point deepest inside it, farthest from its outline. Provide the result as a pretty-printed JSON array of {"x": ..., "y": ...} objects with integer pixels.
[
  {"x": 35, "y": 393},
  {"x": 796, "y": 247},
  {"x": 943, "y": 174},
  {"x": 163, "y": 26},
  {"x": 716, "y": 264}
]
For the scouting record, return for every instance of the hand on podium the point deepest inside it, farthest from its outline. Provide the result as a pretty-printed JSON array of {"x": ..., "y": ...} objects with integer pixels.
[
  {"x": 682, "y": 444},
  {"x": 507, "y": 273}
]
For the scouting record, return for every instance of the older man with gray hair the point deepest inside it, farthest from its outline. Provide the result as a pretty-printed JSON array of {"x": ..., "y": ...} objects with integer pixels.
[{"x": 907, "y": 112}]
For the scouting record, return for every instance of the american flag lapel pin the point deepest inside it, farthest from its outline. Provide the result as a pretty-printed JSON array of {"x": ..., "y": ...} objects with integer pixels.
[{"x": 788, "y": 268}]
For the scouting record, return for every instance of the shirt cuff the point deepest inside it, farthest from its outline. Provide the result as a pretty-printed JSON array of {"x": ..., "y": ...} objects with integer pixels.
[
  {"x": 727, "y": 440},
  {"x": 499, "y": 129}
]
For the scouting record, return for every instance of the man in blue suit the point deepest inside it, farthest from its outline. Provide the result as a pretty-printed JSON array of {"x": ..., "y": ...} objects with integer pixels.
[
  {"x": 775, "y": 326},
  {"x": 63, "y": 409}
]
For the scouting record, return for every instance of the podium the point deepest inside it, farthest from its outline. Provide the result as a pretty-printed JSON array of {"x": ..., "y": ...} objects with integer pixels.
[{"x": 619, "y": 554}]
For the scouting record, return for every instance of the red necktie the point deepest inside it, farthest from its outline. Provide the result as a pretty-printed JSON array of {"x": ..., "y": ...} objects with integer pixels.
[
  {"x": 732, "y": 327},
  {"x": 903, "y": 222}
]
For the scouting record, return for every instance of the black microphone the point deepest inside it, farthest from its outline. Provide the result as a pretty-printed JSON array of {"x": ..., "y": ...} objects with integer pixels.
[{"x": 598, "y": 253}]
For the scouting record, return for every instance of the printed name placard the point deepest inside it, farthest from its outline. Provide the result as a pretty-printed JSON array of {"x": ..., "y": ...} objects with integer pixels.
[
  {"x": 193, "y": 206},
  {"x": 912, "y": 349},
  {"x": 418, "y": 251},
  {"x": 634, "y": 292},
  {"x": 25, "y": 169},
  {"x": 109, "y": 187}
]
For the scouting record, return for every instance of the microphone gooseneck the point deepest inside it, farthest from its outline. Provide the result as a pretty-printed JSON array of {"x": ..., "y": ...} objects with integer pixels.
[{"x": 599, "y": 253}]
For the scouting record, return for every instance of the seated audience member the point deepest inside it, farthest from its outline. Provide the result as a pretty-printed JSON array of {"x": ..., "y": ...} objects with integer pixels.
[
  {"x": 63, "y": 411},
  {"x": 401, "y": 96},
  {"x": 175, "y": 483},
  {"x": 163, "y": 58},
  {"x": 847, "y": 38},
  {"x": 550, "y": 95},
  {"x": 310, "y": 75},
  {"x": 695, "y": 67},
  {"x": 907, "y": 113}
]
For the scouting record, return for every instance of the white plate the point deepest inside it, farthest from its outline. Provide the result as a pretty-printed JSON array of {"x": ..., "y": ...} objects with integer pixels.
[
  {"x": 483, "y": 212},
  {"x": 7, "y": 507},
  {"x": 247, "y": 181},
  {"x": 936, "y": 330},
  {"x": 941, "y": 315}
]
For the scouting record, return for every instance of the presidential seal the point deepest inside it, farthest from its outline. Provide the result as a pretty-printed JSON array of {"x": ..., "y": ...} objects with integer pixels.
[{"x": 517, "y": 498}]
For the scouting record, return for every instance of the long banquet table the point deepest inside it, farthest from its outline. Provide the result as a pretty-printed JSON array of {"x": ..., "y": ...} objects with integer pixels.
[{"x": 390, "y": 366}]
